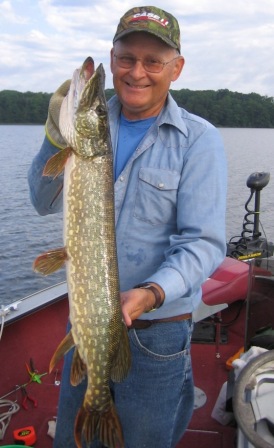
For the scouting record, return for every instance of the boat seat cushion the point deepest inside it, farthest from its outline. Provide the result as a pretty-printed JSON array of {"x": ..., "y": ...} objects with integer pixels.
[{"x": 227, "y": 284}]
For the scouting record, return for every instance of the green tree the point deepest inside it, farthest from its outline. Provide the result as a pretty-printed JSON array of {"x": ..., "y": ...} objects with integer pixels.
[{"x": 222, "y": 107}]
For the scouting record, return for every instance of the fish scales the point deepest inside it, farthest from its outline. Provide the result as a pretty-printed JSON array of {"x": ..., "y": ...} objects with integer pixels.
[
  {"x": 91, "y": 258},
  {"x": 97, "y": 330}
]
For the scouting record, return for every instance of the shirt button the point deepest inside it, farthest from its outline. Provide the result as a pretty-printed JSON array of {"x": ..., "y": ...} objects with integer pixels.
[
  {"x": 122, "y": 179},
  {"x": 161, "y": 185}
]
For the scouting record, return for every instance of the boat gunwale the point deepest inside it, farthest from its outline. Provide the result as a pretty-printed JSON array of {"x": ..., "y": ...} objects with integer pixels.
[{"x": 34, "y": 302}]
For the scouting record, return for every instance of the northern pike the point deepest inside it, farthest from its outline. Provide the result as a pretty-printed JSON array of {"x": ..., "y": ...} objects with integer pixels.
[{"x": 97, "y": 330}]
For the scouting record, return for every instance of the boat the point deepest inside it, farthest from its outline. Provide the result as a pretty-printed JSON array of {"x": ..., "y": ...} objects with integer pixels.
[{"x": 235, "y": 318}]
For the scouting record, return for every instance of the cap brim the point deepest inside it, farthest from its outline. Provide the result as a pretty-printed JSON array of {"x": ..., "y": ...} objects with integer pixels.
[{"x": 136, "y": 30}]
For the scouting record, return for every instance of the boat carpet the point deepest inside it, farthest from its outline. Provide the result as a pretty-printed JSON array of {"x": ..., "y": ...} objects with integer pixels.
[
  {"x": 209, "y": 375},
  {"x": 26, "y": 340}
]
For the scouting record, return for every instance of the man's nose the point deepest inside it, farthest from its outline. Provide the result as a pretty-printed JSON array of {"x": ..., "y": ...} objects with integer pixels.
[{"x": 138, "y": 68}]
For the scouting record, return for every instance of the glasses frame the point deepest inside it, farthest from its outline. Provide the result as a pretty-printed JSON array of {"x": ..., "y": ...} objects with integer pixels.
[{"x": 134, "y": 60}]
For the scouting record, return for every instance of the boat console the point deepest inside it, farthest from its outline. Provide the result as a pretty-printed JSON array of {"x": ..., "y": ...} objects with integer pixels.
[{"x": 251, "y": 244}]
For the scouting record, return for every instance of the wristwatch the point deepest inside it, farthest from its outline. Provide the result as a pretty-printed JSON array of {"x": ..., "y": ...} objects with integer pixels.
[{"x": 157, "y": 295}]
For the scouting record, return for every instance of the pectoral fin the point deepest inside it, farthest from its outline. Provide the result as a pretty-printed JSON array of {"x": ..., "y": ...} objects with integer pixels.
[
  {"x": 56, "y": 164},
  {"x": 50, "y": 261}
]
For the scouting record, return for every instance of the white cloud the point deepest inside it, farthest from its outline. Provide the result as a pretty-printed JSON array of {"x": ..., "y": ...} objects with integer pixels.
[
  {"x": 225, "y": 44},
  {"x": 8, "y": 14}
]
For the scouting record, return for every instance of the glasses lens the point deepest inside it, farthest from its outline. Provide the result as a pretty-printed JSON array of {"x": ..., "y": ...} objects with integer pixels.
[
  {"x": 150, "y": 65},
  {"x": 125, "y": 61},
  {"x": 153, "y": 66}
]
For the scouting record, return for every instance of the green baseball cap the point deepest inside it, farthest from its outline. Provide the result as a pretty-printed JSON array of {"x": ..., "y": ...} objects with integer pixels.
[{"x": 151, "y": 20}]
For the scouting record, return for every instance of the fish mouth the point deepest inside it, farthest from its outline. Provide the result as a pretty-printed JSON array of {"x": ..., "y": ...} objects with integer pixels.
[{"x": 94, "y": 88}]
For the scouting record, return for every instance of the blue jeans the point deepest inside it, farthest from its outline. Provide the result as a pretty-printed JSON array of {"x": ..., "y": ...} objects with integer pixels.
[{"x": 154, "y": 402}]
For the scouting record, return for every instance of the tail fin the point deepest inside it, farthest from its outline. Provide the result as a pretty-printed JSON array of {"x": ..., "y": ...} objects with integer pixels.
[{"x": 106, "y": 425}]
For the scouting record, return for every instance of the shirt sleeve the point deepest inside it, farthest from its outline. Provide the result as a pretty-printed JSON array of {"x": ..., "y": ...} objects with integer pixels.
[{"x": 45, "y": 192}]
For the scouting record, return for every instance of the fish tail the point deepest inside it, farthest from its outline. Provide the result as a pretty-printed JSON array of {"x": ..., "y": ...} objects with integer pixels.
[{"x": 105, "y": 425}]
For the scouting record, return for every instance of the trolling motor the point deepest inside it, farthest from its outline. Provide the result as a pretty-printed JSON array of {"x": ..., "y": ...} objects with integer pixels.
[{"x": 250, "y": 244}]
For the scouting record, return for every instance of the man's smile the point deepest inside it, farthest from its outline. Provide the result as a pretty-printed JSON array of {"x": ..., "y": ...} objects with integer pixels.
[{"x": 136, "y": 86}]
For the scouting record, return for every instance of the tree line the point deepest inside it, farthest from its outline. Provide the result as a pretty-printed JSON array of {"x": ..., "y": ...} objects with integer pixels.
[{"x": 223, "y": 108}]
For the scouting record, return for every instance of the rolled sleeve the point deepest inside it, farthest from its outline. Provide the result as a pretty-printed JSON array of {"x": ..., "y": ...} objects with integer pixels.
[{"x": 45, "y": 192}]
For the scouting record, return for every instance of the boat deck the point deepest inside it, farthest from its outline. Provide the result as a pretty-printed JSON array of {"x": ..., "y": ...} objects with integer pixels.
[
  {"x": 210, "y": 373},
  {"x": 19, "y": 345},
  {"x": 29, "y": 338}
]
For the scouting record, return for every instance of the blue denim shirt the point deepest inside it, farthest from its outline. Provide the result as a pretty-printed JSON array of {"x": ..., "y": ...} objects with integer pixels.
[{"x": 170, "y": 203}]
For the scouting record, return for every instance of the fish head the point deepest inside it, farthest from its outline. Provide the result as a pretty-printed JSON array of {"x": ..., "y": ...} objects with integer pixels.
[{"x": 91, "y": 118}]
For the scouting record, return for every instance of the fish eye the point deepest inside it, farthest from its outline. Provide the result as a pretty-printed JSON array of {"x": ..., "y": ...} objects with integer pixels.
[{"x": 100, "y": 110}]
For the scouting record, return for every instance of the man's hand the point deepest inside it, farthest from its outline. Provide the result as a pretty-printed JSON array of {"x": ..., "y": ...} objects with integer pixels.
[{"x": 137, "y": 301}]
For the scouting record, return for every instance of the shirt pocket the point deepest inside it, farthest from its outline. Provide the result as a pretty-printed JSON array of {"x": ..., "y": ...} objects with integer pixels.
[{"x": 156, "y": 196}]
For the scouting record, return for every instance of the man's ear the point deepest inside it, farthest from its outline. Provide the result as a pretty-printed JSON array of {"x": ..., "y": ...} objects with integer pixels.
[
  {"x": 178, "y": 67},
  {"x": 111, "y": 59}
]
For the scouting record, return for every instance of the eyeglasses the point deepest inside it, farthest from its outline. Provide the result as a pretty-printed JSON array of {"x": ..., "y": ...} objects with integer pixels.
[{"x": 151, "y": 65}]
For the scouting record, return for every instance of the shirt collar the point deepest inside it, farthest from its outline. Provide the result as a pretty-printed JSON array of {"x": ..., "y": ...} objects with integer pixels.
[{"x": 171, "y": 114}]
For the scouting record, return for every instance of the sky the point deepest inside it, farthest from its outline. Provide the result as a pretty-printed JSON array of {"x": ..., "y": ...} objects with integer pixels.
[{"x": 226, "y": 44}]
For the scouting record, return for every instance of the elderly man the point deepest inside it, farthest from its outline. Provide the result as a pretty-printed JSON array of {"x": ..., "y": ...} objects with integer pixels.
[{"x": 170, "y": 194}]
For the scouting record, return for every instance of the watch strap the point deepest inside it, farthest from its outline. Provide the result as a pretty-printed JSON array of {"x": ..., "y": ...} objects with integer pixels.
[{"x": 157, "y": 295}]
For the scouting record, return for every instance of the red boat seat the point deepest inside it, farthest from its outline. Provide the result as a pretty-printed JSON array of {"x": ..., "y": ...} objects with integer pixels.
[{"x": 227, "y": 284}]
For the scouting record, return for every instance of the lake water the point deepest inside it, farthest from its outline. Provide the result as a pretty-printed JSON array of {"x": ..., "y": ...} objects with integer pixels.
[{"x": 24, "y": 234}]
